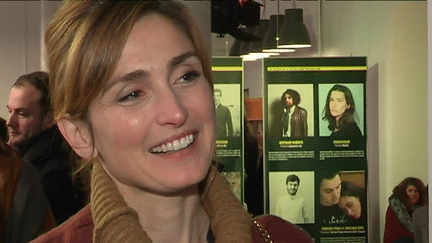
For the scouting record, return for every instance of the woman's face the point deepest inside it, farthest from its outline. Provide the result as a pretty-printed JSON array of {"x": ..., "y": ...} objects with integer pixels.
[
  {"x": 351, "y": 206},
  {"x": 154, "y": 121},
  {"x": 337, "y": 104},
  {"x": 413, "y": 194}
]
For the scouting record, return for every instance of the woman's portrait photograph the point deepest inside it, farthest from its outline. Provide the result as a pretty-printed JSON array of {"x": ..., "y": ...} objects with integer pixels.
[
  {"x": 352, "y": 199},
  {"x": 341, "y": 110}
]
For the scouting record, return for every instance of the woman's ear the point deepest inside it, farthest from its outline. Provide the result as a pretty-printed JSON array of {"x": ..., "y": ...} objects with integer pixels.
[{"x": 78, "y": 135}]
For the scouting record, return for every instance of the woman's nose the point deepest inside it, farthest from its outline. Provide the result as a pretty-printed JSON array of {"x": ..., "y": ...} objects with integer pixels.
[{"x": 171, "y": 110}]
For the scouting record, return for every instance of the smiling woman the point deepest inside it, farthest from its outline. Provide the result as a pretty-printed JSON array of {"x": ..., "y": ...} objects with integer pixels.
[
  {"x": 407, "y": 196},
  {"x": 132, "y": 94}
]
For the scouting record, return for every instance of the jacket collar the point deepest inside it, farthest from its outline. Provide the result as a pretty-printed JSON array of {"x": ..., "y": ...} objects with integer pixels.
[{"x": 401, "y": 212}]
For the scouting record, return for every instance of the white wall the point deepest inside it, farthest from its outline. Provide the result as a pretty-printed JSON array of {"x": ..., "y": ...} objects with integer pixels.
[
  {"x": 393, "y": 35},
  {"x": 201, "y": 11},
  {"x": 21, "y": 40},
  {"x": 12, "y": 48},
  {"x": 429, "y": 9}
]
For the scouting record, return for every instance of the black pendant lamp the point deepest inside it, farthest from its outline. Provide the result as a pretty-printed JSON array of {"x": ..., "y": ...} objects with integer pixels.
[
  {"x": 260, "y": 31},
  {"x": 235, "y": 48},
  {"x": 293, "y": 33},
  {"x": 271, "y": 38},
  {"x": 244, "y": 46}
]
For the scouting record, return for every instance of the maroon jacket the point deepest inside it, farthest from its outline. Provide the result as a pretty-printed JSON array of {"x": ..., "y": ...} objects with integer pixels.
[
  {"x": 80, "y": 227},
  {"x": 393, "y": 228}
]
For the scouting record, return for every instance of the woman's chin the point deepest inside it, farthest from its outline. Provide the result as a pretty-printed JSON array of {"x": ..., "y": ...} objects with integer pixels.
[{"x": 192, "y": 179}]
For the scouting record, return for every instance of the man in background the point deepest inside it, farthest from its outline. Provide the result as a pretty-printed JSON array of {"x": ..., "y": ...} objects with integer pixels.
[
  {"x": 291, "y": 207},
  {"x": 223, "y": 117},
  {"x": 294, "y": 119},
  {"x": 330, "y": 188},
  {"x": 36, "y": 138}
]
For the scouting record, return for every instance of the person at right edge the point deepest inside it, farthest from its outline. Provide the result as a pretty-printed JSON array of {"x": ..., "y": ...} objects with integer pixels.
[
  {"x": 420, "y": 220},
  {"x": 407, "y": 196},
  {"x": 136, "y": 104}
]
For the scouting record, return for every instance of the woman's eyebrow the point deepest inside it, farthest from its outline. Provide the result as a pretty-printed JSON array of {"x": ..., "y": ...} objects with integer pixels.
[
  {"x": 129, "y": 77},
  {"x": 179, "y": 59},
  {"x": 141, "y": 73}
]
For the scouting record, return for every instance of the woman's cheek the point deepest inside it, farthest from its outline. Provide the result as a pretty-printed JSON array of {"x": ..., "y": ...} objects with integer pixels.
[{"x": 125, "y": 130}]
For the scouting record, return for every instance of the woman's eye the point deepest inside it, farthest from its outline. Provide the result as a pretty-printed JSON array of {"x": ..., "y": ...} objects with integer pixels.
[
  {"x": 189, "y": 76},
  {"x": 130, "y": 96}
]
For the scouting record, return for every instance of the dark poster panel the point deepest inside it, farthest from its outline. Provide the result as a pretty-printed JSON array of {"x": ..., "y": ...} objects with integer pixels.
[
  {"x": 227, "y": 74},
  {"x": 315, "y": 145}
]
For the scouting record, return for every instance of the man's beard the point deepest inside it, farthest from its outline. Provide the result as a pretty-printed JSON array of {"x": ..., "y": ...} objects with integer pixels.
[
  {"x": 13, "y": 142},
  {"x": 292, "y": 192},
  {"x": 17, "y": 144}
]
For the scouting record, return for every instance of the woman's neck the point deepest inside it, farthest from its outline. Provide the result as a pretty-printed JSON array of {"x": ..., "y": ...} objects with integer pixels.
[{"x": 178, "y": 218}]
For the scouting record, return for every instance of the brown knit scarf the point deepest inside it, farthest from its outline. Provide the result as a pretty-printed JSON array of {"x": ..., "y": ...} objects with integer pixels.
[{"x": 114, "y": 221}]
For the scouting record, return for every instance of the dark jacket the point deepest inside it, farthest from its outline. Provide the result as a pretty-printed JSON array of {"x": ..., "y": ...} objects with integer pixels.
[
  {"x": 332, "y": 215},
  {"x": 349, "y": 130},
  {"x": 298, "y": 122},
  {"x": 48, "y": 153},
  {"x": 24, "y": 212}
]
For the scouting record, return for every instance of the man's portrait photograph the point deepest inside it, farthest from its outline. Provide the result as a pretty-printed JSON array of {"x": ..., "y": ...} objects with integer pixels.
[
  {"x": 290, "y": 110},
  {"x": 291, "y": 196},
  {"x": 227, "y": 105}
]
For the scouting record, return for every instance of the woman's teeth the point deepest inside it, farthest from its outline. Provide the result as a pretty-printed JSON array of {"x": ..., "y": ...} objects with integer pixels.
[{"x": 174, "y": 145}]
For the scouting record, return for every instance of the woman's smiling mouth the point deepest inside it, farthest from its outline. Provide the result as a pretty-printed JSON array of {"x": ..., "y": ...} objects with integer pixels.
[{"x": 174, "y": 145}]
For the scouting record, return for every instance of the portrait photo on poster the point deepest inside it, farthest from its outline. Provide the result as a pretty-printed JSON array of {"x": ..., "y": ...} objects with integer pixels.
[
  {"x": 290, "y": 110},
  {"x": 343, "y": 197},
  {"x": 291, "y": 196},
  {"x": 341, "y": 110},
  {"x": 227, "y": 105},
  {"x": 234, "y": 179}
]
